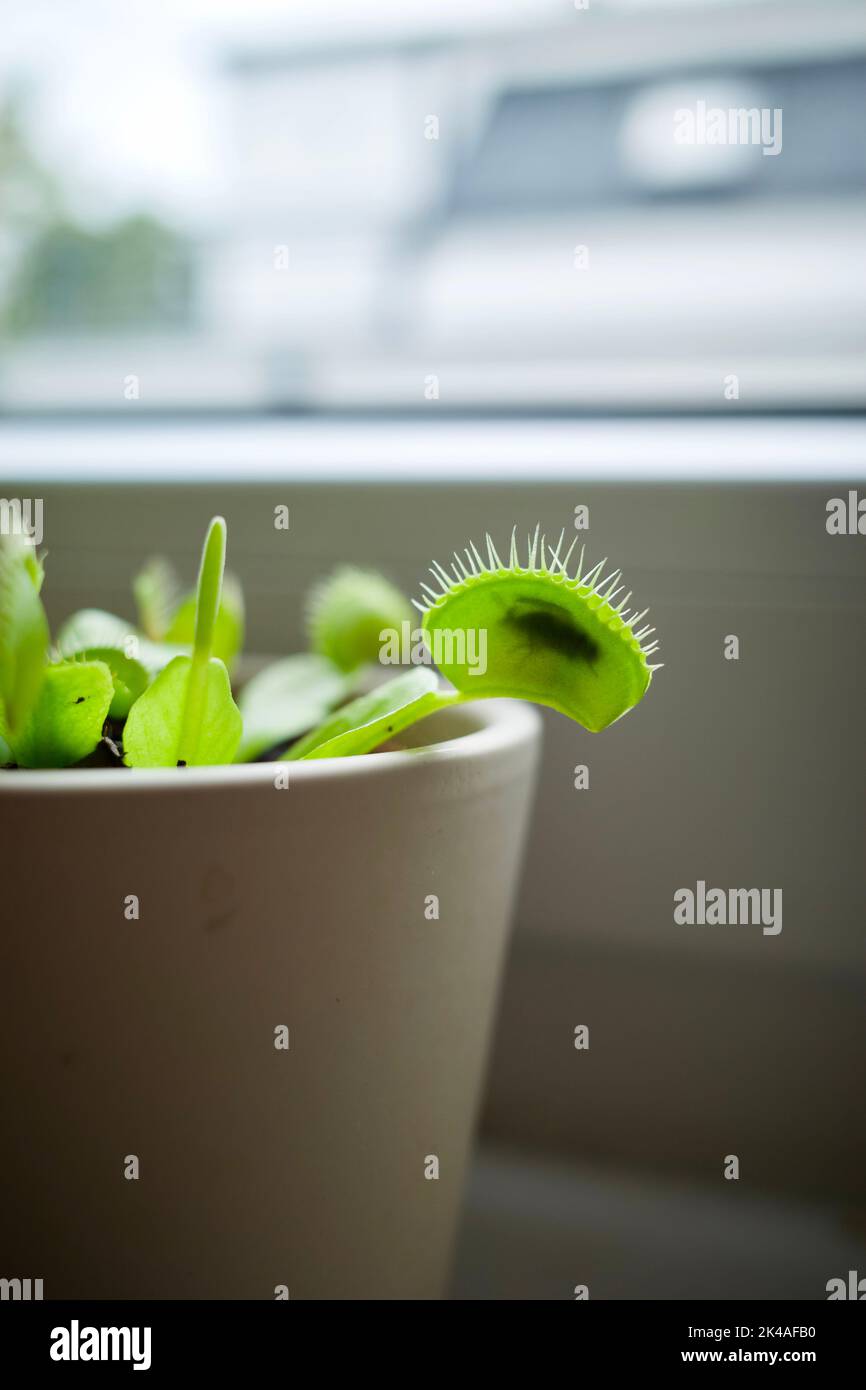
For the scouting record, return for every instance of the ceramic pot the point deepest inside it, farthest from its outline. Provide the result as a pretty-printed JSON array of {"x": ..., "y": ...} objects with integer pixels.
[{"x": 244, "y": 1025}]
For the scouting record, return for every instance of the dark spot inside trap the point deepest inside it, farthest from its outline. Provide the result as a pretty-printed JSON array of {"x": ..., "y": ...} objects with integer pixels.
[
  {"x": 548, "y": 626},
  {"x": 181, "y": 762},
  {"x": 80, "y": 700}
]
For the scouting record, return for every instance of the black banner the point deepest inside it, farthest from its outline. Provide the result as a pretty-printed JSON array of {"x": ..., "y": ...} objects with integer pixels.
[{"x": 169, "y": 1338}]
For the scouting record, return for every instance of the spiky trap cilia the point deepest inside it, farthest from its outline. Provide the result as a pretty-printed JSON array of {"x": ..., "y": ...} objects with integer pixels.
[{"x": 562, "y": 640}]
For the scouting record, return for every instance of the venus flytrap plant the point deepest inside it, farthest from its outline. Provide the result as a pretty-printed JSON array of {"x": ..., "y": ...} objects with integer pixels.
[
  {"x": 552, "y": 638},
  {"x": 365, "y": 723},
  {"x": 66, "y": 722},
  {"x": 50, "y": 715},
  {"x": 168, "y": 618},
  {"x": 129, "y": 678},
  {"x": 228, "y": 629},
  {"x": 549, "y": 637},
  {"x": 24, "y": 634},
  {"x": 155, "y": 591},
  {"x": 95, "y": 636},
  {"x": 187, "y": 717},
  {"x": 346, "y": 613},
  {"x": 543, "y": 634},
  {"x": 92, "y": 629},
  {"x": 287, "y": 698}
]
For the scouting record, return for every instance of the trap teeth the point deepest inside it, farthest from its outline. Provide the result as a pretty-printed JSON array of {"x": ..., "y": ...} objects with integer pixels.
[
  {"x": 493, "y": 559},
  {"x": 554, "y": 554},
  {"x": 602, "y": 592},
  {"x": 590, "y": 579}
]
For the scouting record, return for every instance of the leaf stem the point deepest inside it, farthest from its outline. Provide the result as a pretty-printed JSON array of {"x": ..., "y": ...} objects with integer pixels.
[
  {"x": 210, "y": 578},
  {"x": 210, "y": 581}
]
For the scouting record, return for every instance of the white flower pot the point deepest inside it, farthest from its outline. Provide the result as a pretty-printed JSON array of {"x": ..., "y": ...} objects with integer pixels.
[{"x": 308, "y": 908}]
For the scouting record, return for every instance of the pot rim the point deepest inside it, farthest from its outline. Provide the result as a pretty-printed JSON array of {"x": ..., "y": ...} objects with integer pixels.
[{"x": 496, "y": 726}]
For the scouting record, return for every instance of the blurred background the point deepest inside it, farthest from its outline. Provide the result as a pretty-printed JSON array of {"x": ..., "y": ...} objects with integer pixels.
[
  {"x": 423, "y": 271},
  {"x": 256, "y": 205}
]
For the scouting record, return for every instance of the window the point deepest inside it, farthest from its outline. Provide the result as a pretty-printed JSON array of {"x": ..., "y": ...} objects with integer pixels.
[{"x": 251, "y": 206}]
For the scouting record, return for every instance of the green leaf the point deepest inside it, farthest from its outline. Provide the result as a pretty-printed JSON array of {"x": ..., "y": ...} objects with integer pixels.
[
  {"x": 34, "y": 566},
  {"x": 535, "y": 633},
  {"x": 363, "y": 724},
  {"x": 91, "y": 628},
  {"x": 286, "y": 699},
  {"x": 24, "y": 633},
  {"x": 348, "y": 612},
  {"x": 66, "y": 721},
  {"x": 188, "y": 717},
  {"x": 228, "y": 633},
  {"x": 155, "y": 591},
  {"x": 153, "y": 734},
  {"x": 130, "y": 678}
]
